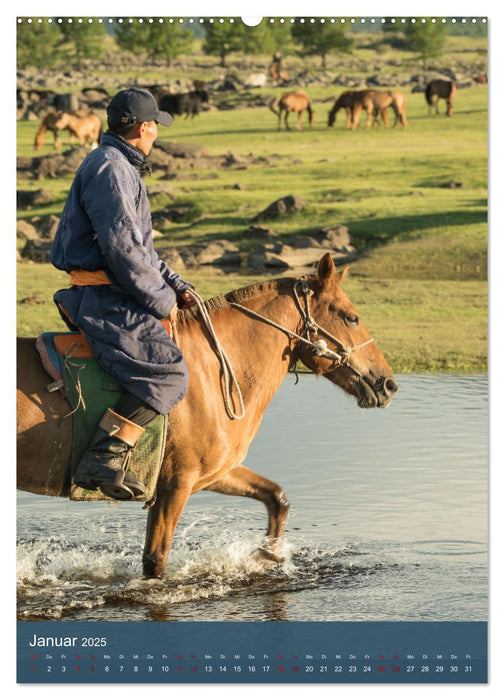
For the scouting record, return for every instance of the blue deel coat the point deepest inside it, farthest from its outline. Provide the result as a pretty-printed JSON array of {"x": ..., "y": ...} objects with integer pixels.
[{"x": 106, "y": 225}]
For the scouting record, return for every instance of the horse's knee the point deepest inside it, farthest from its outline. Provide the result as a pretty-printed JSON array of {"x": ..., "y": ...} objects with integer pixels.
[{"x": 279, "y": 502}]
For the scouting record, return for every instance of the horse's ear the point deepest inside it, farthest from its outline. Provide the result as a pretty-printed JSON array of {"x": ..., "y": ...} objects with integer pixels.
[
  {"x": 326, "y": 270},
  {"x": 342, "y": 274}
]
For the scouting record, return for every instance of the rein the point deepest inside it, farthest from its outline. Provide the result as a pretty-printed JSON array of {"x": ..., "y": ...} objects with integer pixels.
[{"x": 319, "y": 346}]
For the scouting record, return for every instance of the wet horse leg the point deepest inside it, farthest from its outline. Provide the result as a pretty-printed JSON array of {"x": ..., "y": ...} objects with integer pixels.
[
  {"x": 242, "y": 481},
  {"x": 162, "y": 521}
]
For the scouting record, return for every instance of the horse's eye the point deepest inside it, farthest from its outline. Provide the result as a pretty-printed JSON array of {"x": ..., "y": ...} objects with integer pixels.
[{"x": 351, "y": 320}]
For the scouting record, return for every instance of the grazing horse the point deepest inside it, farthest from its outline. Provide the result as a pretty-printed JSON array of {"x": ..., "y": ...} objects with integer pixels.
[
  {"x": 264, "y": 329},
  {"x": 87, "y": 128},
  {"x": 48, "y": 123},
  {"x": 292, "y": 102},
  {"x": 437, "y": 89},
  {"x": 373, "y": 102}
]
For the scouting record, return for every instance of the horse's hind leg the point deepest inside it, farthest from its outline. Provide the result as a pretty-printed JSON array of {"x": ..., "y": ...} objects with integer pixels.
[
  {"x": 242, "y": 481},
  {"x": 163, "y": 518}
]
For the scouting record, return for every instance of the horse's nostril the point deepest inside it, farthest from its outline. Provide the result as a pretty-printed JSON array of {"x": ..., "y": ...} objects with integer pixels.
[{"x": 390, "y": 387}]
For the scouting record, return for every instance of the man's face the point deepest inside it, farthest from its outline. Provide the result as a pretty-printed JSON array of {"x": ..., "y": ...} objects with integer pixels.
[{"x": 148, "y": 134}]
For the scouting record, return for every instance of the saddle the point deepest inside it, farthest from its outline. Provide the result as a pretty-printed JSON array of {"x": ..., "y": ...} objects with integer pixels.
[{"x": 90, "y": 391}]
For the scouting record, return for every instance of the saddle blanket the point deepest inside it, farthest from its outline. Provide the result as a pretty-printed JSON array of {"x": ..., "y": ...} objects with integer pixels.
[{"x": 90, "y": 391}]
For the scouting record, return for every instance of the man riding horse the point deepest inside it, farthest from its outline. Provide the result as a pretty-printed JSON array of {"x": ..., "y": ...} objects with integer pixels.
[{"x": 120, "y": 290}]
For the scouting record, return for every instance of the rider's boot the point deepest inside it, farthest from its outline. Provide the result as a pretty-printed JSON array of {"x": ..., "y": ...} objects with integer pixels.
[{"x": 105, "y": 464}]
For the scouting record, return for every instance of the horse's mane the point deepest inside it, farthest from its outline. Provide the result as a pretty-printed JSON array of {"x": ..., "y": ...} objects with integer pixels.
[{"x": 239, "y": 296}]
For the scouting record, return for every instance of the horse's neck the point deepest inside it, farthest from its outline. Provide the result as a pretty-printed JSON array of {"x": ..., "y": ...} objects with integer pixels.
[{"x": 260, "y": 354}]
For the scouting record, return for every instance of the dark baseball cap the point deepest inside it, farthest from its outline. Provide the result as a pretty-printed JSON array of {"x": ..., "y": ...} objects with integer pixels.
[{"x": 133, "y": 106}]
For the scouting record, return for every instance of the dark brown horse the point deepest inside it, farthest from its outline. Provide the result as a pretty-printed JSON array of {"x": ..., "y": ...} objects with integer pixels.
[
  {"x": 292, "y": 102},
  {"x": 318, "y": 325},
  {"x": 441, "y": 89}
]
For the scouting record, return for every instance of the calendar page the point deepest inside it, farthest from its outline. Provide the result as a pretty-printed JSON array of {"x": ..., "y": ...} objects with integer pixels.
[{"x": 252, "y": 349}]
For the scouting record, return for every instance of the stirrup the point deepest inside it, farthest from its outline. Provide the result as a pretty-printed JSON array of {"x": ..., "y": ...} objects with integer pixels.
[{"x": 117, "y": 489}]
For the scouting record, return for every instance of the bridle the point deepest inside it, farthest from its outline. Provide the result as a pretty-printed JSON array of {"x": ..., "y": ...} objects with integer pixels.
[{"x": 302, "y": 294}]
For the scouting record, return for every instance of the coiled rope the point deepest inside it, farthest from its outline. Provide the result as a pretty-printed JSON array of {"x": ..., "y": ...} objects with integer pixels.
[{"x": 227, "y": 369}]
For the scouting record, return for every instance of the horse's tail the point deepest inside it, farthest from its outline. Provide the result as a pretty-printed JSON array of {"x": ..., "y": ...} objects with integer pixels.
[
  {"x": 453, "y": 90},
  {"x": 274, "y": 105}
]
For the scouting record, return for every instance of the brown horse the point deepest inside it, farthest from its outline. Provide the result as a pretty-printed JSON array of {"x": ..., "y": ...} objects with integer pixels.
[
  {"x": 441, "y": 89},
  {"x": 292, "y": 102},
  {"x": 206, "y": 446},
  {"x": 48, "y": 123},
  {"x": 374, "y": 103},
  {"x": 86, "y": 128}
]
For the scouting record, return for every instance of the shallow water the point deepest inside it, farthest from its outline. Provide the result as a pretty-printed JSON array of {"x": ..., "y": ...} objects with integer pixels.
[{"x": 388, "y": 521}]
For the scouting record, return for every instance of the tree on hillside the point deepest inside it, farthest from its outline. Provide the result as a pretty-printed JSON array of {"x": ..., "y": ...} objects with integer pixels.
[
  {"x": 160, "y": 40},
  {"x": 37, "y": 44},
  {"x": 85, "y": 38},
  {"x": 223, "y": 39},
  {"x": 319, "y": 39},
  {"x": 426, "y": 38}
]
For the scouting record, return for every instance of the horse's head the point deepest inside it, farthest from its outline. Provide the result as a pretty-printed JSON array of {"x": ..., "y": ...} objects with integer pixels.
[
  {"x": 332, "y": 116},
  {"x": 345, "y": 353}
]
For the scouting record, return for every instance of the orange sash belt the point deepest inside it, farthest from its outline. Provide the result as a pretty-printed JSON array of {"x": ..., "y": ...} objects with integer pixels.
[{"x": 81, "y": 278}]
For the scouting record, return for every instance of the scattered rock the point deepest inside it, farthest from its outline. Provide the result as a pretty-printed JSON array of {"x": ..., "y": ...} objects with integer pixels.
[
  {"x": 37, "y": 250},
  {"x": 181, "y": 150},
  {"x": 33, "y": 198},
  {"x": 256, "y": 80},
  {"x": 26, "y": 230},
  {"x": 284, "y": 205},
  {"x": 46, "y": 226},
  {"x": 259, "y": 232},
  {"x": 219, "y": 252}
]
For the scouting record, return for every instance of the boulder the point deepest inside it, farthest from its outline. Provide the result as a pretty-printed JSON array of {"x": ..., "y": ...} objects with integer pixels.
[
  {"x": 221, "y": 253},
  {"x": 282, "y": 206},
  {"x": 181, "y": 150},
  {"x": 26, "y": 230},
  {"x": 256, "y": 80},
  {"x": 38, "y": 251},
  {"x": 33, "y": 198}
]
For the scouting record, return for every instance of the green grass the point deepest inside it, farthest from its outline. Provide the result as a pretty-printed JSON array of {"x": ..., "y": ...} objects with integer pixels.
[{"x": 420, "y": 280}]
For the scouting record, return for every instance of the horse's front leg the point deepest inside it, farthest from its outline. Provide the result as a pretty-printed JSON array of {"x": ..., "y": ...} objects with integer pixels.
[
  {"x": 298, "y": 123},
  {"x": 242, "y": 481},
  {"x": 171, "y": 497},
  {"x": 286, "y": 118},
  {"x": 356, "y": 116}
]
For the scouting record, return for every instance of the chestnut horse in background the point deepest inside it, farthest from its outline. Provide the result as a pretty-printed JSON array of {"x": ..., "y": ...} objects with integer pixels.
[
  {"x": 48, "y": 123},
  {"x": 441, "y": 89},
  {"x": 292, "y": 102},
  {"x": 374, "y": 103},
  {"x": 87, "y": 128},
  {"x": 264, "y": 329}
]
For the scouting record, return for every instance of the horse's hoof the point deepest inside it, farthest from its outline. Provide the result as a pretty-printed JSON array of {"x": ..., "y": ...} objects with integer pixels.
[{"x": 266, "y": 554}]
